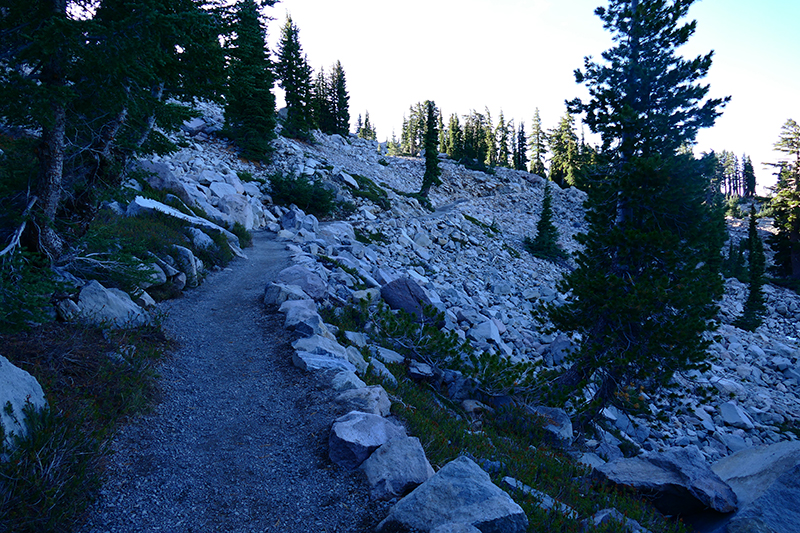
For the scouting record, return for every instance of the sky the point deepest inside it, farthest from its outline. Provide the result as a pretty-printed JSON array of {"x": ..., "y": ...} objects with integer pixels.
[{"x": 518, "y": 55}]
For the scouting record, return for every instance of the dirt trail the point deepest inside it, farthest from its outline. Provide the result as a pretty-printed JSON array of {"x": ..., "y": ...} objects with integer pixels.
[{"x": 239, "y": 441}]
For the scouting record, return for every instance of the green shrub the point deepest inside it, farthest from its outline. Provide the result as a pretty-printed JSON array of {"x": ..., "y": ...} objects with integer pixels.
[
  {"x": 310, "y": 196},
  {"x": 245, "y": 237},
  {"x": 371, "y": 191},
  {"x": 26, "y": 287}
]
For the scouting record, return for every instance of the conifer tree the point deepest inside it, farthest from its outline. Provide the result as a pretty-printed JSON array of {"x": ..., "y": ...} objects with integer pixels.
[
  {"x": 786, "y": 204},
  {"x": 647, "y": 280},
  {"x": 501, "y": 139},
  {"x": 753, "y": 312},
  {"x": 489, "y": 140},
  {"x": 294, "y": 76},
  {"x": 564, "y": 162},
  {"x": 367, "y": 131},
  {"x": 748, "y": 177},
  {"x": 340, "y": 100},
  {"x": 538, "y": 144},
  {"x": 545, "y": 244},
  {"x": 250, "y": 104},
  {"x": 455, "y": 139},
  {"x": 321, "y": 104},
  {"x": 431, "y": 142},
  {"x": 521, "y": 160}
]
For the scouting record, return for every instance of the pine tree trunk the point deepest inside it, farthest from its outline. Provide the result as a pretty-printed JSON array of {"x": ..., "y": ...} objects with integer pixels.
[{"x": 158, "y": 94}]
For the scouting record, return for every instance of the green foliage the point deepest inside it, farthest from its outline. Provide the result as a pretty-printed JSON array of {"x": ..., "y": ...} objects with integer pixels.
[
  {"x": 545, "y": 244},
  {"x": 294, "y": 76},
  {"x": 330, "y": 101},
  {"x": 26, "y": 287},
  {"x": 564, "y": 164},
  {"x": 371, "y": 238},
  {"x": 371, "y": 191},
  {"x": 786, "y": 205},
  {"x": 54, "y": 472},
  {"x": 367, "y": 131},
  {"x": 538, "y": 145},
  {"x": 310, "y": 196},
  {"x": 430, "y": 144},
  {"x": 491, "y": 230},
  {"x": 245, "y": 237},
  {"x": 734, "y": 265},
  {"x": 754, "y": 308},
  {"x": 383, "y": 162},
  {"x": 250, "y": 104}
]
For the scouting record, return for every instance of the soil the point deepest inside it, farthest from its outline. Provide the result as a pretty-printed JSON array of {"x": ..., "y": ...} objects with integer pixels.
[{"x": 239, "y": 440}]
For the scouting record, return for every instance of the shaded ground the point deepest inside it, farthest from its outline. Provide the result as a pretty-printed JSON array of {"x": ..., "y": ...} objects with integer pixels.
[{"x": 239, "y": 441}]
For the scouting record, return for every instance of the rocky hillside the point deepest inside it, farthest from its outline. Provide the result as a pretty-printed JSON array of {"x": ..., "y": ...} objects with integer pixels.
[{"x": 469, "y": 258}]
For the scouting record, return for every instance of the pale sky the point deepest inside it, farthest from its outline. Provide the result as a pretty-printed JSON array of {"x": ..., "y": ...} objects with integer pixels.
[{"x": 516, "y": 55}]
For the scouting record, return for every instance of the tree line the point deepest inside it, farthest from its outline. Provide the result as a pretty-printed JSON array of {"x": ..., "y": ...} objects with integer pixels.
[{"x": 86, "y": 87}]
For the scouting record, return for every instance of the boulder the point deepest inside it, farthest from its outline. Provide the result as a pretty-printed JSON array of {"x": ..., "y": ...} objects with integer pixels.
[
  {"x": 239, "y": 208},
  {"x": 356, "y": 435},
  {"x": 17, "y": 388},
  {"x": 371, "y": 399},
  {"x": 607, "y": 516},
  {"x": 186, "y": 263},
  {"x": 302, "y": 316},
  {"x": 396, "y": 468},
  {"x": 458, "y": 493},
  {"x": 735, "y": 416},
  {"x": 277, "y": 293},
  {"x": 752, "y": 471},
  {"x": 320, "y": 345},
  {"x": 678, "y": 481},
  {"x": 345, "y": 380},
  {"x": 112, "y": 307},
  {"x": 775, "y": 511},
  {"x": 308, "y": 281},
  {"x": 406, "y": 294},
  {"x": 455, "y": 527},
  {"x": 312, "y": 361},
  {"x": 557, "y": 424}
]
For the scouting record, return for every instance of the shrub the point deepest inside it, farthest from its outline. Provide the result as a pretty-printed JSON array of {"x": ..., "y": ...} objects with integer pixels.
[
  {"x": 26, "y": 286},
  {"x": 310, "y": 196},
  {"x": 545, "y": 244}
]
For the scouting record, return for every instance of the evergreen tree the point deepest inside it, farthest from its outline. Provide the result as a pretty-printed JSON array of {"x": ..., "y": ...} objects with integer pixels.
[
  {"x": 538, "y": 144},
  {"x": 367, "y": 131},
  {"x": 442, "y": 132},
  {"x": 786, "y": 204},
  {"x": 749, "y": 177},
  {"x": 294, "y": 77},
  {"x": 521, "y": 159},
  {"x": 340, "y": 100},
  {"x": 431, "y": 142},
  {"x": 753, "y": 313},
  {"x": 647, "y": 280},
  {"x": 545, "y": 244},
  {"x": 564, "y": 147},
  {"x": 412, "y": 136},
  {"x": 322, "y": 109},
  {"x": 500, "y": 137},
  {"x": 489, "y": 141},
  {"x": 455, "y": 139},
  {"x": 249, "y": 101}
]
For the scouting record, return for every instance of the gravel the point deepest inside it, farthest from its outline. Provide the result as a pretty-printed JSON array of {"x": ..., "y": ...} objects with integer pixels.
[{"x": 239, "y": 440}]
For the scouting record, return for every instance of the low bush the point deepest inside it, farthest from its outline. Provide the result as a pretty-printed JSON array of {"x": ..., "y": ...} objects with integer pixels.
[{"x": 310, "y": 196}]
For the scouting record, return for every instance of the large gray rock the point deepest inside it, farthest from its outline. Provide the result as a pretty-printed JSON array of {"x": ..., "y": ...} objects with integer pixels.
[
  {"x": 302, "y": 316},
  {"x": 459, "y": 493},
  {"x": 111, "y": 307},
  {"x": 607, "y": 516},
  {"x": 405, "y": 294},
  {"x": 239, "y": 208},
  {"x": 455, "y": 527},
  {"x": 777, "y": 510},
  {"x": 186, "y": 263},
  {"x": 371, "y": 399},
  {"x": 396, "y": 468},
  {"x": 312, "y": 361},
  {"x": 544, "y": 501},
  {"x": 557, "y": 424},
  {"x": 277, "y": 293},
  {"x": 17, "y": 388},
  {"x": 308, "y": 281},
  {"x": 678, "y": 480},
  {"x": 752, "y": 471},
  {"x": 356, "y": 435},
  {"x": 320, "y": 345}
]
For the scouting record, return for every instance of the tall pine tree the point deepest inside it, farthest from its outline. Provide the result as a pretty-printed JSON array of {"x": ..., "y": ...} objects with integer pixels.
[
  {"x": 786, "y": 204},
  {"x": 431, "y": 143},
  {"x": 294, "y": 77},
  {"x": 753, "y": 312},
  {"x": 564, "y": 148},
  {"x": 647, "y": 280},
  {"x": 249, "y": 101},
  {"x": 538, "y": 144}
]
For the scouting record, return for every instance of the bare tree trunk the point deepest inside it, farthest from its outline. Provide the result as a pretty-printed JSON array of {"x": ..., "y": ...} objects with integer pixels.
[{"x": 158, "y": 94}]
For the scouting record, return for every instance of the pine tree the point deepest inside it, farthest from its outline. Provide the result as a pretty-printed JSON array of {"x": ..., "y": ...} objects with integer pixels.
[
  {"x": 442, "y": 132},
  {"x": 521, "y": 160},
  {"x": 250, "y": 104},
  {"x": 749, "y": 177},
  {"x": 367, "y": 131},
  {"x": 431, "y": 142},
  {"x": 455, "y": 139},
  {"x": 340, "y": 99},
  {"x": 647, "y": 280},
  {"x": 294, "y": 77},
  {"x": 545, "y": 244},
  {"x": 564, "y": 147},
  {"x": 538, "y": 144},
  {"x": 501, "y": 140},
  {"x": 489, "y": 141},
  {"x": 786, "y": 204},
  {"x": 754, "y": 308},
  {"x": 322, "y": 109}
]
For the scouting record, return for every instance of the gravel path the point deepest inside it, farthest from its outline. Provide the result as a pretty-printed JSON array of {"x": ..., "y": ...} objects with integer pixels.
[{"x": 239, "y": 441}]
